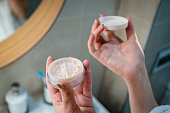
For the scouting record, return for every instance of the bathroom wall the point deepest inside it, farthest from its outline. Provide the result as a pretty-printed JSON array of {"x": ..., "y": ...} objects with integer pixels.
[
  {"x": 67, "y": 37},
  {"x": 114, "y": 91}
]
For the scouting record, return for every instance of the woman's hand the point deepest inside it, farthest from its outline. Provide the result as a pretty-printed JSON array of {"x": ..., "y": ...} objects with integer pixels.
[
  {"x": 125, "y": 58},
  {"x": 66, "y": 100}
]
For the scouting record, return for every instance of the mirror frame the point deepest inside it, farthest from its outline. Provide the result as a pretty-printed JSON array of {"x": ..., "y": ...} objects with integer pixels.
[{"x": 31, "y": 32}]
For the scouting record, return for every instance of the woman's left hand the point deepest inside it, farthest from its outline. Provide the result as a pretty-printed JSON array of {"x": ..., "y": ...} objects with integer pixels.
[{"x": 67, "y": 100}]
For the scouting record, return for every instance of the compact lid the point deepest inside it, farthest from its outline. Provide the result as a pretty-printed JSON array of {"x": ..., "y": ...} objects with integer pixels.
[
  {"x": 16, "y": 94},
  {"x": 114, "y": 22}
]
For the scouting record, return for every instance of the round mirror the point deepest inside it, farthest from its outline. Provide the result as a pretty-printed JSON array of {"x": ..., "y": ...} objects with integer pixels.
[{"x": 24, "y": 24}]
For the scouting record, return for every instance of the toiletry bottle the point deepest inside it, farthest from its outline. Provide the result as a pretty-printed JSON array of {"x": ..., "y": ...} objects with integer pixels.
[{"x": 16, "y": 99}]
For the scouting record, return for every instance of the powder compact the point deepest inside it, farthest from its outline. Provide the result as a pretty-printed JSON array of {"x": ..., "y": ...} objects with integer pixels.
[{"x": 66, "y": 70}]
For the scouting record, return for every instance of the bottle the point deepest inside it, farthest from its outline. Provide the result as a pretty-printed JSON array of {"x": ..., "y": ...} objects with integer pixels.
[{"x": 16, "y": 99}]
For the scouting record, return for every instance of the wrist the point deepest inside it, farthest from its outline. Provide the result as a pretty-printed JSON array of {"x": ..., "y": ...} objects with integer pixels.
[
  {"x": 138, "y": 74},
  {"x": 140, "y": 91}
]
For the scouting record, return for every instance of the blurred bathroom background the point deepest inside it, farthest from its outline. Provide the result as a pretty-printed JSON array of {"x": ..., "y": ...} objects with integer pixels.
[{"x": 68, "y": 37}]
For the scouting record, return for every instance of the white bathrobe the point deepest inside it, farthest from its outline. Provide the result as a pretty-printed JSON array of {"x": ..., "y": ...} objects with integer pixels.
[
  {"x": 161, "y": 109},
  {"x": 8, "y": 22}
]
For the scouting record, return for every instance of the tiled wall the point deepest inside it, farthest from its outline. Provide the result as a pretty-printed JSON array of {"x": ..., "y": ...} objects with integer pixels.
[
  {"x": 68, "y": 37},
  {"x": 114, "y": 90}
]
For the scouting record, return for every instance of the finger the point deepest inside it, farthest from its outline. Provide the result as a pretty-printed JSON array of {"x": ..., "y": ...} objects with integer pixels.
[
  {"x": 79, "y": 88},
  {"x": 95, "y": 25},
  {"x": 87, "y": 85},
  {"x": 98, "y": 38},
  {"x": 49, "y": 61},
  {"x": 97, "y": 41},
  {"x": 67, "y": 94},
  {"x": 98, "y": 31},
  {"x": 130, "y": 30},
  {"x": 53, "y": 91},
  {"x": 109, "y": 34},
  {"x": 91, "y": 46},
  {"x": 102, "y": 14},
  {"x": 102, "y": 40}
]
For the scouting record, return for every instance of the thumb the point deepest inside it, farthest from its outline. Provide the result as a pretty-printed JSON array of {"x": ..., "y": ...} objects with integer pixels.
[
  {"x": 67, "y": 94},
  {"x": 130, "y": 32}
]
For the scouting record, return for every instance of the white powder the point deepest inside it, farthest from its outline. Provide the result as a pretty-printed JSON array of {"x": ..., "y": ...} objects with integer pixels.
[{"x": 66, "y": 69}]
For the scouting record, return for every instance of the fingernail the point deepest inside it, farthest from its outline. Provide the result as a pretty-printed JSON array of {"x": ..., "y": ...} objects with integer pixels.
[
  {"x": 91, "y": 34},
  {"x": 129, "y": 17},
  {"x": 97, "y": 19},
  {"x": 50, "y": 57},
  {"x": 88, "y": 69},
  {"x": 86, "y": 59}
]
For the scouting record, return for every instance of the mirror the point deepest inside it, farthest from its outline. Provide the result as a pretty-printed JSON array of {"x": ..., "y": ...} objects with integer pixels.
[
  {"x": 31, "y": 32},
  {"x": 13, "y": 14}
]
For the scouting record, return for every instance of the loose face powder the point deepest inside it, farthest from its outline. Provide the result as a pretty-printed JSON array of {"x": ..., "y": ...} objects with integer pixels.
[{"x": 67, "y": 70}]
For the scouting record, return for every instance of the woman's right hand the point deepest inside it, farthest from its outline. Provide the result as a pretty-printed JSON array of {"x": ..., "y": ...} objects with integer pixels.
[{"x": 126, "y": 58}]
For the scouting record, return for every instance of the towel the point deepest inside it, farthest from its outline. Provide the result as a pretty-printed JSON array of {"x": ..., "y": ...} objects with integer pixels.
[
  {"x": 161, "y": 109},
  {"x": 8, "y": 22}
]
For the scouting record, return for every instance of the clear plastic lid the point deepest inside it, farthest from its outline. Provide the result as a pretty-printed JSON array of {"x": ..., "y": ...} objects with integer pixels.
[
  {"x": 114, "y": 22},
  {"x": 67, "y": 70}
]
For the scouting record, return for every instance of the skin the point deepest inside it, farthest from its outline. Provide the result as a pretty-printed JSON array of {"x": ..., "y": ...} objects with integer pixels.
[
  {"x": 125, "y": 58},
  {"x": 67, "y": 100},
  {"x": 18, "y": 7}
]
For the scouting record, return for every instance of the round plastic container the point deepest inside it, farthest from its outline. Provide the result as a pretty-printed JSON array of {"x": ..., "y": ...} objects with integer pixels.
[
  {"x": 114, "y": 22},
  {"x": 67, "y": 70},
  {"x": 17, "y": 100}
]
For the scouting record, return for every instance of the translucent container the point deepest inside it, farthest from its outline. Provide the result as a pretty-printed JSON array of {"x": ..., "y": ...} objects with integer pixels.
[
  {"x": 66, "y": 70},
  {"x": 16, "y": 98},
  {"x": 114, "y": 22}
]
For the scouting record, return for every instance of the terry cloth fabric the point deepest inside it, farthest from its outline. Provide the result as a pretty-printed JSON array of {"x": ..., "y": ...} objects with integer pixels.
[
  {"x": 8, "y": 22},
  {"x": 161, "y": 109}
]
